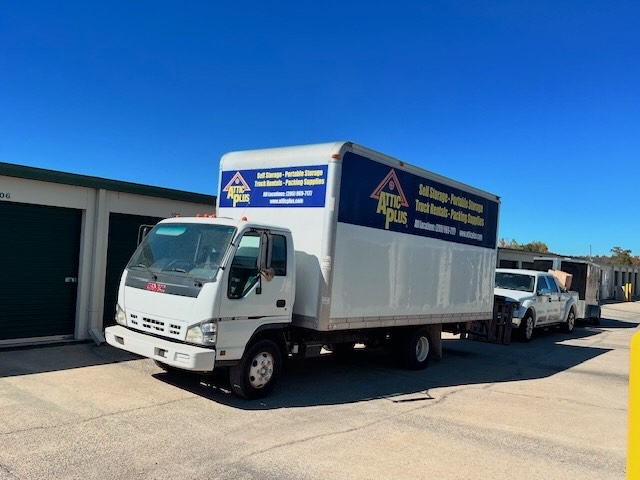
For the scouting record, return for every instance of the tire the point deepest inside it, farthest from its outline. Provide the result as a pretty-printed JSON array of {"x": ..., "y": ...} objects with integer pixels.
[
  {"x": 525, "y": 331},
  {"x": 569, "y": 325},
  {"x": 258, "y": 370},
  {"x": 415, "y": 349}
]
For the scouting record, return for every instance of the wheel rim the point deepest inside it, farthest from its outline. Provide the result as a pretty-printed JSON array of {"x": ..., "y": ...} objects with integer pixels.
[
  {"x": 261, "y": 370},
  {"x": 422, "y": 349},
  {"x": 529, "y": 327},
  {"x": 571, "y": 320}
]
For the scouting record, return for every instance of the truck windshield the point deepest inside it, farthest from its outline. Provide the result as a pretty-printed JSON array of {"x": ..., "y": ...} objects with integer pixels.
[
  {"x": 515, "y": 281},
  {"x": 193, "y": 250}
]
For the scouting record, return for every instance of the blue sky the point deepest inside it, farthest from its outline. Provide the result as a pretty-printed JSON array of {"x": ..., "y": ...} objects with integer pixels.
[{"x": 535, "y": 101}]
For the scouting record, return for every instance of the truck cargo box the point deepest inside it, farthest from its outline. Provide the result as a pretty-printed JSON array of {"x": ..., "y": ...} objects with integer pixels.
[{"x": 378, "y": 242}]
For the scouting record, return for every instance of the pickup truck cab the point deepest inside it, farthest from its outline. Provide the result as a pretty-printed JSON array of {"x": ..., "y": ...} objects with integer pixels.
[{"x": 542, "y": 302}]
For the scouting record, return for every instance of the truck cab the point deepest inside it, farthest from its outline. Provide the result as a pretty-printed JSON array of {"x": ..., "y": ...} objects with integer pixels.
[
  {"x": 197, "y": 290},
  {"x": 541, "y": 301}
]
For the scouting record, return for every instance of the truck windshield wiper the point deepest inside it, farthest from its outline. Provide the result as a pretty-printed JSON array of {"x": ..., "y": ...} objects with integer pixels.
[
  {"x": 182, "y": 270},
  {"x": 151, "y": 272}
]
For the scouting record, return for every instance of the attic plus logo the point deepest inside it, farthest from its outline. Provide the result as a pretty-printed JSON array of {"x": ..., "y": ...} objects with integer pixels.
[
  {"x": 237, "y": 190},
  {"x": 391, "y": 200}
]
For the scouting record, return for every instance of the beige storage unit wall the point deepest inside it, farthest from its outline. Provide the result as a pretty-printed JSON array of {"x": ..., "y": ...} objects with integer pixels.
[{"x": 64, "y": 241}]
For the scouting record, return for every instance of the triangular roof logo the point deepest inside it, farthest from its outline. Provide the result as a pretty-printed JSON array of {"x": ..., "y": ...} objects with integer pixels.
[
  {"x": 237, "y": 181},
  {"x": 392, "y": 185}
]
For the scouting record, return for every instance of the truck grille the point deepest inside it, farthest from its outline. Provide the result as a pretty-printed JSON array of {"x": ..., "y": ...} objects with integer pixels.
[{"x": 153, "y": 325}]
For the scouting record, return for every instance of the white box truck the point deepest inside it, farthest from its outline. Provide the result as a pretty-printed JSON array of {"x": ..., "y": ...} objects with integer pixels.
[{"x": 320, "y": 245}]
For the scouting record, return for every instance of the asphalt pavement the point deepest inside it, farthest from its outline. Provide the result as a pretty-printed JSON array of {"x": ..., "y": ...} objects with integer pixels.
[{"x": 555, "y": 408}]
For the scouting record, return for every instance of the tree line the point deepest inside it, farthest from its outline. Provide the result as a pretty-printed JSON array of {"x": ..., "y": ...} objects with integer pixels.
[{"x": 619, "y": 255}]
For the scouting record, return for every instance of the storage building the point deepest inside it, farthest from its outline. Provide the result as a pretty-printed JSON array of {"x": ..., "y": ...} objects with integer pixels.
[{"x": 64, "y": 242}]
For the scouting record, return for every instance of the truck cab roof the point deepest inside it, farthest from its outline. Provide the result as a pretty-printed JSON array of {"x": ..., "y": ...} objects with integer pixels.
[
  {"x": 518, "y": 271},
  {"x": 227, "y": 221}
]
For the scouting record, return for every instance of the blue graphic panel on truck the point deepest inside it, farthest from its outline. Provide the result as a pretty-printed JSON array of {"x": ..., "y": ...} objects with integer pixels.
[
  {"x": 275, "y": 187},
  {"x": 379, "y": 196}
]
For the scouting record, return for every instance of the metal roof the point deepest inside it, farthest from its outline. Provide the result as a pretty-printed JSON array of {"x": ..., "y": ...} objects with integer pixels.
[{"x": 53, "y": 176}]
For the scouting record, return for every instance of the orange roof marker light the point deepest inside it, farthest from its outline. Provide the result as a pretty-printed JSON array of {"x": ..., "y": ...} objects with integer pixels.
[{"x": 244, "y": 219}]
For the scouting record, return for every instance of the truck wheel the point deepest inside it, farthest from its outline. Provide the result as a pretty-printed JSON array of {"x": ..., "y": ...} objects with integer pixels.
[
  {"x": 415, "y": 349},
  {"x": 525, "y": 332},
  {"x": 256, "y": 374},
  {"x": 570, "y": 323}
]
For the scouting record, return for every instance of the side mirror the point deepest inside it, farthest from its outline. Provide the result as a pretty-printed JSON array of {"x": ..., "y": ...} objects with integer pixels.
[
  {"x": 143, "y": 231},
  {"x": 264, "y": 260},
  {"x": 264, "y": 254}
]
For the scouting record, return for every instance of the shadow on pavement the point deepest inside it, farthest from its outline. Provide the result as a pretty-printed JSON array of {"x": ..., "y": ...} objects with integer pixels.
[
  {"x": 610, "y": 323},
  {"x": 27, "y": 361},
  {"x": 363, "y": 375},
  {"x": 367, "y": 375}
]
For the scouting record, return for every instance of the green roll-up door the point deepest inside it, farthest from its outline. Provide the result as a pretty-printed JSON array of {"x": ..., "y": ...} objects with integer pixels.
[
  {"x": 123, "y": 240},
  {"x": 39, "y": 258}
]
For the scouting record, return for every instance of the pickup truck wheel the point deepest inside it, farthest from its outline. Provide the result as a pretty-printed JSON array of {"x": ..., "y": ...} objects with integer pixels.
[
  {"x": 416, "y": 349},
  {"x": 257, "y": 372},
  {"x": 526, "y": 328},
  {"x": 570, "y": 323}
]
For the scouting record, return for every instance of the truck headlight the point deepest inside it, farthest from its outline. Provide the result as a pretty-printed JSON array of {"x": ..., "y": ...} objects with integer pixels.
[
  {"x": 204, "y": 333},
  {"x": 121, "y": 317}
]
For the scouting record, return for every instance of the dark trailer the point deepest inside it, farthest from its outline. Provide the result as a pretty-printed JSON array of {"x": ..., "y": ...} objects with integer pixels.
[{"x": 586, "y": 281}]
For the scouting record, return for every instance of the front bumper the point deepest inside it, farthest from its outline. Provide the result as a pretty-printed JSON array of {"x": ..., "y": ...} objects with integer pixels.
[{"x": 179, "y": 355}]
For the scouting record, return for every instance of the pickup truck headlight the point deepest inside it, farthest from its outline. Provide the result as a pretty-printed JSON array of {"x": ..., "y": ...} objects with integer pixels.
[
  {"x": 204, "y": 333},
  {"x": 121, "y": 317},
  {"x": 516, "y": 310}
]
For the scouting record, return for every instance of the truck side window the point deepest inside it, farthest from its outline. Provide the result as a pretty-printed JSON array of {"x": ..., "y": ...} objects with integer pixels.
[
  {"x": 543, "y": 287},
  {"x": 553, "y": 285},
  {"x": 243, "y": 273},
  {"x": 279, "y": 255}
]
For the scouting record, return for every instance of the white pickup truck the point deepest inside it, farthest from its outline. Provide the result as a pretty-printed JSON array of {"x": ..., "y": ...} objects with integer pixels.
[{"x": 542, "y": 302}]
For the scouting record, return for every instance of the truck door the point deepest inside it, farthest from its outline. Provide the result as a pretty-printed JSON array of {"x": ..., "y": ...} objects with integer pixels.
[
  {"x": 250, "y": 298},
  {"x": 544, "y": 301},
  {"x": 558, "y": 300}
]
